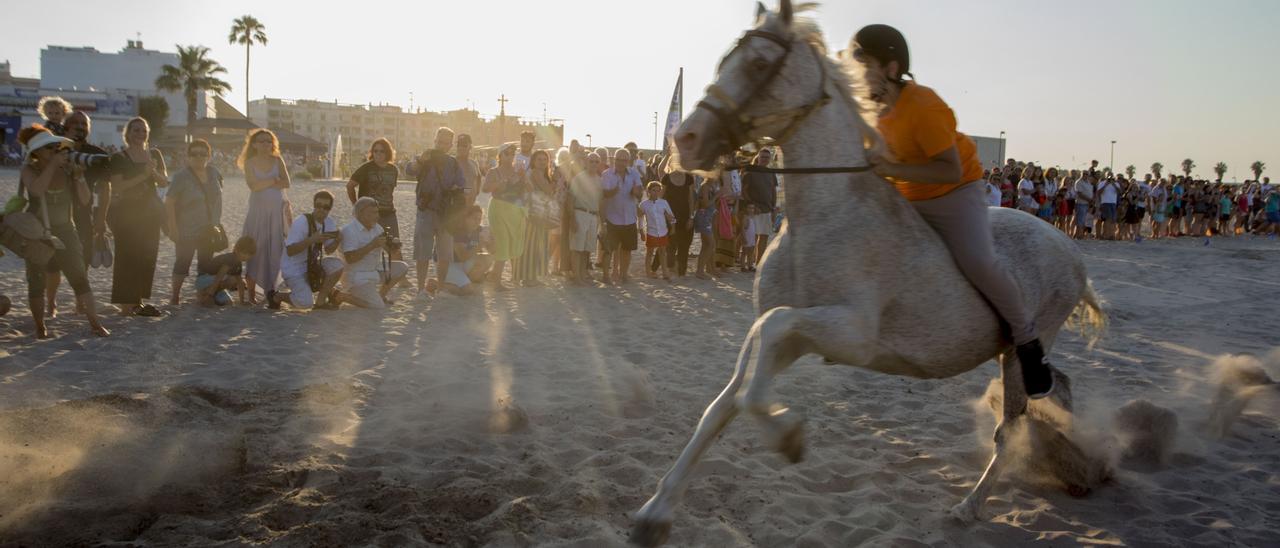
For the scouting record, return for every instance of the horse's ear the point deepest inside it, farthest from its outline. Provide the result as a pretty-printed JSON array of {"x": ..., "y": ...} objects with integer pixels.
[
  {"x": 785, "y": 11},
  {"x": 761, "y": 10}
]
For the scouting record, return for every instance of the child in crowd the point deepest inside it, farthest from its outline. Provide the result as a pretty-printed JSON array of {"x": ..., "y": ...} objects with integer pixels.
[
  {"x": 470, "y": 261},
  {"x": 1225, "y": 205},
  {"x": 1044, "y": 203},
  {"x": 657, "y": 216},
  {"x": 223, "y": 273},
  {"x": 747, "y": 233},
  {"x": 1061, "y": 210}
]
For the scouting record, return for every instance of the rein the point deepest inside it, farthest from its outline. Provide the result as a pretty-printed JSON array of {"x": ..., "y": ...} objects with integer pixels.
[{"x": 799, "y": 170}]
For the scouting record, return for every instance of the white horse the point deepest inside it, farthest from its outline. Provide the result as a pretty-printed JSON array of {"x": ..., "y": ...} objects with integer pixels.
[{"x": 855, "y": 275}]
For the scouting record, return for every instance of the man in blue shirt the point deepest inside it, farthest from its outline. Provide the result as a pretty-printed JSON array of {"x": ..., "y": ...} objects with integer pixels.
[
  {"x": 622, "y": 191},
  {"x": 437, "y": 173}
]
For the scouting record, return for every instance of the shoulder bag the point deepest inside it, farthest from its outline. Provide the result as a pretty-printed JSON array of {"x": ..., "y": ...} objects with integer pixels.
[
  {"x": 212, "y": 237},
  {"x": 315, "y": 271}
]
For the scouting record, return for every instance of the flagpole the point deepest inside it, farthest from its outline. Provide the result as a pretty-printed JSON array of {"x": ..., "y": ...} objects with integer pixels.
[{"x": 680, "y": 82}]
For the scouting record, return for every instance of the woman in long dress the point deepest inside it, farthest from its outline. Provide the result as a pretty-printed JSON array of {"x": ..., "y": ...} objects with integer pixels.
[
  {"x": 267, "y": 220},
  {"x": 531, "y": 266},
  {"x": 509, "y": 189},
  {"x": 135, "y": 218}
]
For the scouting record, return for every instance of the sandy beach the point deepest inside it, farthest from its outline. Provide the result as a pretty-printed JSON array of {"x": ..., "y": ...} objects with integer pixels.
[{"x": 546, "y": 417}]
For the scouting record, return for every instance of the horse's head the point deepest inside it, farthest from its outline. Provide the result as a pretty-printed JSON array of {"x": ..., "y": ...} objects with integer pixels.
[{"x": 764, "y": 87}]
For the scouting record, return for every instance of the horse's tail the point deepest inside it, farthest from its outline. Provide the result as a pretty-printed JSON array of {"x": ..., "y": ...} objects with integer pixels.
[{"x": 1088, "y": 316}]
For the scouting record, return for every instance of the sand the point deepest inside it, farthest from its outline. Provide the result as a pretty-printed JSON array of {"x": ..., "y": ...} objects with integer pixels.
[{"x": 546, "y": 416}]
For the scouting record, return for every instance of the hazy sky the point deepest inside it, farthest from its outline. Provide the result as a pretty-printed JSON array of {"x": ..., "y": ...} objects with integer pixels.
[{"x": 1167, "y": 79}]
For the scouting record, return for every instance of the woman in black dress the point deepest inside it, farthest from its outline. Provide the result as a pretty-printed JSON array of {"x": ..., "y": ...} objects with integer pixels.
[
  {"x": 677, "y": 189},
  {"x": 135, "y": 218}
]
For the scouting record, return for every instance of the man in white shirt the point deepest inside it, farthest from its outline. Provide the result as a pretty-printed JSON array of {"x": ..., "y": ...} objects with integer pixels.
[
  {"x": 585, "y": 194},
  {"x": 311, "y": 235},
  {"x": 622, "y": 189},
  {"x": 370, "y": 274},
  {"x": 525, "y": 152},
  {"x": 1084, "y": 201},
  {"x": 1108, "y": 196}
]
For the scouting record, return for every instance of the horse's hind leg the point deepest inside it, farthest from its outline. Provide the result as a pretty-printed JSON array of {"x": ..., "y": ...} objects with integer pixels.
[
  {"x": 786, "y": 334},
  {"x": 1015, "y": 405},
  {"x": 653, "y": 521}
]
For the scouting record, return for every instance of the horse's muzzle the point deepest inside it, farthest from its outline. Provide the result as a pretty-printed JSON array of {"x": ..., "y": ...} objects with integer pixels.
[{"x": 700, "y": 140}]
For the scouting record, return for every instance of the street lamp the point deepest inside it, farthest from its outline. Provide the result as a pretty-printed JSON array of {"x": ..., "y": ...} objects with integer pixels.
[
  {"x": 1000, "y": 161},
  {"x": 1113, "y": 156},
  {"x": 589, "y": 145}
]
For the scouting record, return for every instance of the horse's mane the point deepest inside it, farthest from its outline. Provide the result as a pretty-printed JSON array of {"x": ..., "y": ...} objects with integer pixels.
[{"x": 848, "y": 75}]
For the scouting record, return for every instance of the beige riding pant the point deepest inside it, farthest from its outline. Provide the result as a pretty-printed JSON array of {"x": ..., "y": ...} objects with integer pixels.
[{"x": 961, "y": 218}]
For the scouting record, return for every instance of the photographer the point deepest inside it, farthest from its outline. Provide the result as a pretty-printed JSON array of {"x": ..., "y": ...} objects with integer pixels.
[
  {"x": 370, "y": 274},
  {"x": 439, "y": 177},
  {"x": 311, "y": 237},
  {"x": 51, "y": 190}
]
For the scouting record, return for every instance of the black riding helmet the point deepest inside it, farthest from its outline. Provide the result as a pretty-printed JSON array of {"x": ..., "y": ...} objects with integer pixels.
[{"x": 884, "y": 44}]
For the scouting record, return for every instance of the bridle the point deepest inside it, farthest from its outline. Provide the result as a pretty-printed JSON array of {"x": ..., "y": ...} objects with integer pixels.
[{"x": 739, "y": 127}]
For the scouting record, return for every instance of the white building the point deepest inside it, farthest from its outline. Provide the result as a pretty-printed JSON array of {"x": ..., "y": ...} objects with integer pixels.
[
  {"x": 19, "y": 97},
  {"x": 991, "y": 150},
  {"x": 130, "y": 73}
]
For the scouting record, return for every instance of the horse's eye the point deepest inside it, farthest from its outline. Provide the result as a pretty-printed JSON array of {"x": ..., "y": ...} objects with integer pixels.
[{"x": 760, "y": 64}]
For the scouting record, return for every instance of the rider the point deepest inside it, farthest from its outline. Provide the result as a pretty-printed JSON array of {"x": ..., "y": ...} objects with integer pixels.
[{"x": 937, "y": 169}]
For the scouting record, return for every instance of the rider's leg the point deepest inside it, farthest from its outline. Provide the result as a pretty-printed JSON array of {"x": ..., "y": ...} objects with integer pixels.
[{"x": 961, "y": 219}]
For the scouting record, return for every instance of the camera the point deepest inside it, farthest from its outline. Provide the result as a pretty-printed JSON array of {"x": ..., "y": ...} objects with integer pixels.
[{"x": 393, "y": 243}]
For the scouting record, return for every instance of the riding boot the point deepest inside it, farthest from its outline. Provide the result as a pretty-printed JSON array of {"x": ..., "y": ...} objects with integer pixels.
[{"x": 1037, "y": 378}]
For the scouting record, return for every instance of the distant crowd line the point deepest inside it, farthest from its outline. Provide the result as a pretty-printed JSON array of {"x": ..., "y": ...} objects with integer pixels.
[{"x": 1096, "y": 203}]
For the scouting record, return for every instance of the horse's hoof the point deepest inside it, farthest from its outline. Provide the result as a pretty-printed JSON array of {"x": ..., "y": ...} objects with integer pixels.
[
  {"x": 791, "y": 444},
  {"x": 966, "y": 512},
  {"x": 650, "y": 532}
]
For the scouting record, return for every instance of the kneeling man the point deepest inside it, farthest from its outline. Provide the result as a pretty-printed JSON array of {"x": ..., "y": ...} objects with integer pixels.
[
  {"x": 370, "y": 273},
  {"x": 311, "y": 237}
]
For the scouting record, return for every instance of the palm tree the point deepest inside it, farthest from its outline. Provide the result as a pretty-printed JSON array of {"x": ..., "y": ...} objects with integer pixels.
[
  {"x": 195, "y": 73},
  {"x": 247, "y": 30},
  {"x": 1257, "y": 168},
  {"x": 1130, "y": 170},
  {"x": 1156, "y": 169},
  {"x": 1220, "y": 169},
  {"x": 1187, "y": 166}
]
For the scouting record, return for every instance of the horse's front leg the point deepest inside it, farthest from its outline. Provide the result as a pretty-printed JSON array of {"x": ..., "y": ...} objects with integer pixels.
[
  {"x": 653, "y": 521},
  {"x": 785, "y": 334},
  {"x": 1015, "y": 406}
]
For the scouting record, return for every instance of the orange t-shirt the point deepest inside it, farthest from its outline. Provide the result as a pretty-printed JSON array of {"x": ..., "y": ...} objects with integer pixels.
[{"x": 920, "y": 126}]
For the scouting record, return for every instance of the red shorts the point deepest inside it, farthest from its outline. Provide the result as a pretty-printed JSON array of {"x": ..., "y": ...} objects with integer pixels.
[{"x": 655, "y": 241}]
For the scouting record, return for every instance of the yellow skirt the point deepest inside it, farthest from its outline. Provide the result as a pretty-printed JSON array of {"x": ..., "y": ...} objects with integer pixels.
[{"x": 506, "y": 223}]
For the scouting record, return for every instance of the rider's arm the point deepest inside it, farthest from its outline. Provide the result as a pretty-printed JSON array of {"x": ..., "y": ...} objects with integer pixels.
[{"x": 942, "y": 169}]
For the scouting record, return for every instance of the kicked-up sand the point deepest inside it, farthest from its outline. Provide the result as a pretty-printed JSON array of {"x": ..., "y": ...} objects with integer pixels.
[{"x": 546, "y": 417}]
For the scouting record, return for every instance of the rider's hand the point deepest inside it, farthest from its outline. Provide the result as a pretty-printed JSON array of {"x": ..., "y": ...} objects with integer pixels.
[{"x": 880, "y": 163}]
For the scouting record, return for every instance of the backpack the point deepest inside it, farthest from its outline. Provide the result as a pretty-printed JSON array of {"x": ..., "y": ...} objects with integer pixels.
[{"x": 452, "y": 200}]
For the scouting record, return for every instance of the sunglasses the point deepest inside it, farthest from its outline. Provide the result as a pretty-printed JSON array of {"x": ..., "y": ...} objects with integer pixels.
[
  {"x": 324, "y": 206},
  {"x": 197, "y": 155}
]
